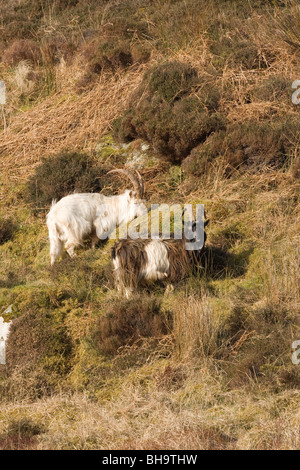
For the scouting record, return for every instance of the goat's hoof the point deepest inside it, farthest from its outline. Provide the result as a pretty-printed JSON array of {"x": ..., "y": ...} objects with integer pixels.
[{"x": 169, "y": 289}]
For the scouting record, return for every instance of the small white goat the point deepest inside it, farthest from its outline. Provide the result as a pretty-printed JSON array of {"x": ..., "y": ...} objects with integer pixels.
[{"x": 79, "y": 216}]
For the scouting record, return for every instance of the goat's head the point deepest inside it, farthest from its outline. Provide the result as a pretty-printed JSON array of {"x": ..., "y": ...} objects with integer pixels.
[
  {"x": 133, "y": 204},
  {"x": 195, "y": 234}
]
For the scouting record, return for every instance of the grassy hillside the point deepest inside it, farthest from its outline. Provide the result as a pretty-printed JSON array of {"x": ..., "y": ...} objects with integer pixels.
[{"x": 198, "y": 96}]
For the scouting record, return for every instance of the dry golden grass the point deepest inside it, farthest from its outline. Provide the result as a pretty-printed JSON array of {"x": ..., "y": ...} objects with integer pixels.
[
  {"x": 64, "y": 121},
  {"x": 197, "y": 416},
  {"x": 196, "y": 328}
]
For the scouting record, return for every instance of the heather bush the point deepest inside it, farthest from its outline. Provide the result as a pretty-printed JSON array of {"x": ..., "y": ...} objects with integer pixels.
[
  {"x": 20, "y": 50},
  {"x": 128, "y": 320},
  {"x": 253, "y": 145},
  {"x": 112, "y": 54},
  {"x": 21, "y": 434},
  {"x": 173, "y": 109},
  {"x": 274, "y": 89},
  {"x": 238, "y": 51},
  {"x": 39, "y": 352},
  {"x": 63, "y": 174},
  {"x": 7, "y": 229},
  {"x": 170, "y": 81},
  {"x": 262, "y": 334}
]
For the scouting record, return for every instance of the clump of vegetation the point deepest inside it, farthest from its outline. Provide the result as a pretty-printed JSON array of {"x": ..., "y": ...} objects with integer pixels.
[
  {"x": 7, "y": 229},
  {"x": 39, "y": 352},
  {"x": 170, "y": 81},
  {"x": 253, "y": 145},
  {"x": 63, "y": 174},
  {"x": 21, "y": 434},
  {"x": 236, "y": 52},
  {"x": 128, "y": 320},
  {"x": 173, "y": 109},
  {"x": 22, "y": 50},
  {"x": 262, "y": 334},
  {"x": 109, "y": 55},
  {"x": 274, "y": 89}
]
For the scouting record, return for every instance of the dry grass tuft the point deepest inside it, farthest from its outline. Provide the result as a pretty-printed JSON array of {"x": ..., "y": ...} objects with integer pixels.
[{"x": 197, "y": 329}]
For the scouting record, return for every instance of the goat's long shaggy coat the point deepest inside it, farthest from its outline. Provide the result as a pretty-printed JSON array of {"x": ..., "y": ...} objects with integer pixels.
[{"x": 140, "y": 260}]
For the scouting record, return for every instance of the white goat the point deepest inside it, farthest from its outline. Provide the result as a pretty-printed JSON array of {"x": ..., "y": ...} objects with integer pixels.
[{"x": 79, "y": 216}]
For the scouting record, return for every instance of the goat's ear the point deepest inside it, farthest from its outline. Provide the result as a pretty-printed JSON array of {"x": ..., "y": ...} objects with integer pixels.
[{"x": 206, "y": 222}]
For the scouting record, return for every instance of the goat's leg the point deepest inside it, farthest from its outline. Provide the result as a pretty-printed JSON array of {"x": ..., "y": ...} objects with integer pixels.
[
  {"x": 70, "y": 250},
  {"x": 160, "y": 275},
  {"x": 169, "y": 289},
  {"x": 121, "y": 288},
  {"x": 56, "y": 249},
  {"x": 128, "y": 292},
  {"x": 94, "y": 241}
]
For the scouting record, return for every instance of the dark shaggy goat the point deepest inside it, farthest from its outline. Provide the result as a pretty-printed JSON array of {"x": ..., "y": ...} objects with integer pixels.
[{"x": 141, "y": 261}]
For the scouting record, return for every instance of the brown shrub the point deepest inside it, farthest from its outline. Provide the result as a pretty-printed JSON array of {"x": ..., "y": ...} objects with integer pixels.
[
  {"x": 110, "y": 54},
  {"x": 259, "y": 340},
  {"x": 274, "y": 88},
  {"x": 22, "y": 49},
  {"x": 39, "y": 351},
  {"x": 239, "y": 53},
  {"x": 7, "y": 229},
  {"x": 21, "y": 435},
  {"x": 169, "y": 81},
  {"x": 254, "y": 145},
  {"x": 128, "y": 320}
]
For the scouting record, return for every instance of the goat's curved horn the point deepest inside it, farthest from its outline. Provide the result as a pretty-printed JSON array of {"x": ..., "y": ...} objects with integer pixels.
[
  {"x": 137, "y": 181},
  {"x": 141, "y": 183}
]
